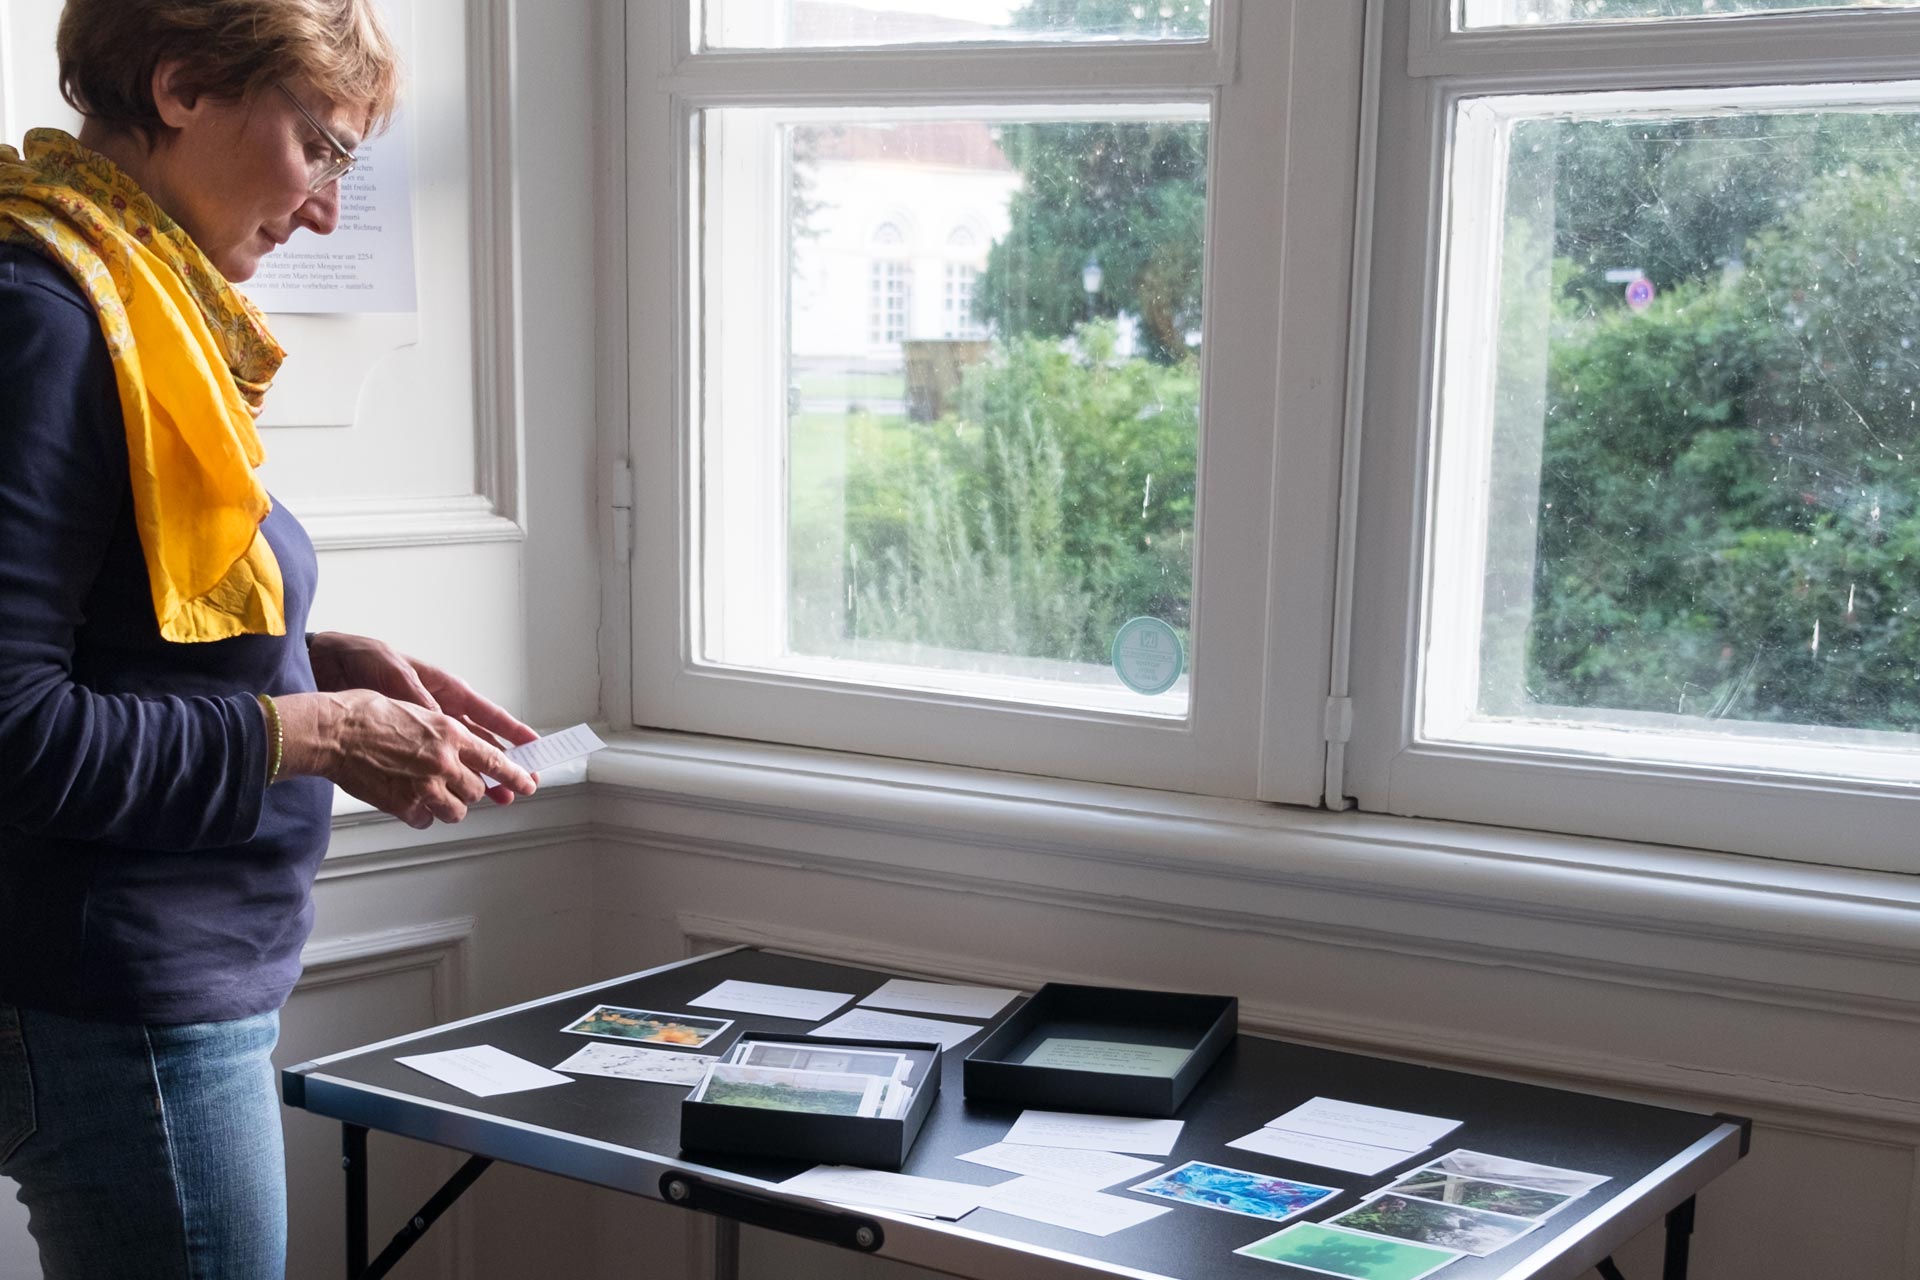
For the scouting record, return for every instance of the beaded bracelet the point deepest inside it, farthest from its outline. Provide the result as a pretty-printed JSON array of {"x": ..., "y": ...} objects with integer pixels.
[{"x": 277, "y": 734}]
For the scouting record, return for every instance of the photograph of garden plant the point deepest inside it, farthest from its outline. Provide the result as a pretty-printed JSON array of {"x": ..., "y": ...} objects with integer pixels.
[
  {"x": 771, "y": 1089},
  {"x": 1313, "y": 1247},
  {"x": 1477, "y": 1193},
  {"x": 1517, "y": 1173},
  {"x": 1445, "y": 1226}
]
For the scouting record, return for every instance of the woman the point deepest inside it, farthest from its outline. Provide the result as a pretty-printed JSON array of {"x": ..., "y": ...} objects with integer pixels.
[{"x": 169, "y": 738}]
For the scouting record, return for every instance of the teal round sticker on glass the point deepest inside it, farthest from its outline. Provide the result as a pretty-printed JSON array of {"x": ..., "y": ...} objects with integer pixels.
[{"x": 1147, "y": 655}]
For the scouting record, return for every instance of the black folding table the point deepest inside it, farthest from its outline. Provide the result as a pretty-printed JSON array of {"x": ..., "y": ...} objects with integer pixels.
[{"x": 625, "y": 1134}]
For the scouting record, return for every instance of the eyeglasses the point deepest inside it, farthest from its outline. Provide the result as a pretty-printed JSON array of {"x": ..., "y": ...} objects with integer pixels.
[{"x": 343, "y": 159}]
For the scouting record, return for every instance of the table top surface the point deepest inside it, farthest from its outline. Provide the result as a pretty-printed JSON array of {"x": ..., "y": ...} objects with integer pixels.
[{"x": 623, "y": 1133}]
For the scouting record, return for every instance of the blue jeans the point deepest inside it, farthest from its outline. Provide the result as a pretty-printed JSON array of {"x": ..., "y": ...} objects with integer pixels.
[{"x": 145, "y": 1152}]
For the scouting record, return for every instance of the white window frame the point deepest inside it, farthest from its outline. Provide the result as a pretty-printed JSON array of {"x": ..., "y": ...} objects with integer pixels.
[
  {"x": 890, "y": 321},
  {"x": 1282, "y": 80},
  {"x": 959, "y": 280},
  {"x": 1777, "y": 811}
]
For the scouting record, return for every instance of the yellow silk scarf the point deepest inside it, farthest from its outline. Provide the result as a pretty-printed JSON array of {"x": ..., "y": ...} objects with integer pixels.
[{"x": 192, "y": 359}]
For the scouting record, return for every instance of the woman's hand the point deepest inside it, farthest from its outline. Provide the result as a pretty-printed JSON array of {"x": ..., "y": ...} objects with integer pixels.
[
  {"x": 396, "y": 755},
  {"x": 343, "y": 662}
]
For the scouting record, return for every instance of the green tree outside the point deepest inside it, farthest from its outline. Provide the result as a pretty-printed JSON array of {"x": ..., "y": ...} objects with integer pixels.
[{"x": 1726, "y": 519}]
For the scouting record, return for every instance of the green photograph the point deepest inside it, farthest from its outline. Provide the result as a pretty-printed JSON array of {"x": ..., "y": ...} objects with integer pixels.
[
  {"x": 1333, "y": 1252},
  {"x": 771, "y": 1089}
]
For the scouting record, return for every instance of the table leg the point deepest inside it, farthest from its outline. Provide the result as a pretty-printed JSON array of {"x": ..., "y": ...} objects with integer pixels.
[
  {"x": 1608, "y": 1271},
  {"x": 1679, "y": 1237},
  {"x": 726, "y": 1249},
  {"x": 353, "y": 1159}
]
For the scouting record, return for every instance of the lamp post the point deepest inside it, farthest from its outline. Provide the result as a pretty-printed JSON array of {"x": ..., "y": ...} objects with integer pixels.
[{"x": 1090, "y": 277}]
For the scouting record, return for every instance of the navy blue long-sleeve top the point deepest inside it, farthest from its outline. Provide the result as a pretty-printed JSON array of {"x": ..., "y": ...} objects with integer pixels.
[{"x": 147, "y": 871}]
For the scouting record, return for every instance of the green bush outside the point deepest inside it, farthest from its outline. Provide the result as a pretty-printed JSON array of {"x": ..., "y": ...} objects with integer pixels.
[
  {"x": 1726, "y": 518},
  {"x": 1056, "y": 505}
]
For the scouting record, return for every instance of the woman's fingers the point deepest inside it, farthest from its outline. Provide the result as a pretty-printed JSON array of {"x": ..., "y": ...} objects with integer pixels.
[
  {"x": 485, "y": 758},
  {"x": 417, "y": 765},
  {"x": 457, "y": 697},
  {"x": 444, "y": 804}
]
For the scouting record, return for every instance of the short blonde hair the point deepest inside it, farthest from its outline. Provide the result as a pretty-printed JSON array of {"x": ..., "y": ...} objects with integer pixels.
[{"x": 231, "y": 49}]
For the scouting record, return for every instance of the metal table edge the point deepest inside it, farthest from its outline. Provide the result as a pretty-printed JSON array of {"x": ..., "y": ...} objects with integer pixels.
[
  {"x": 491, "y": 1014},
  {"x": 914, "y": 1241},
  {"x": 1634, "y": 1208}
]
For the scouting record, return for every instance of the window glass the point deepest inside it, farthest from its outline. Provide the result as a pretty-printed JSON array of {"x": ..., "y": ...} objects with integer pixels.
[
  {"x": 1515, "y": 13},
  {"x": 979, "y": 422},
  {"x": 789, "y": 24},
  {"x": 1681, "y": 484}
]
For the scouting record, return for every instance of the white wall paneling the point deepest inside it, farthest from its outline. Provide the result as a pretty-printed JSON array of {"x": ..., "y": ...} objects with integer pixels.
[
  {"x": 360, "y": 989},
  {"x": 455, "y": 921}
]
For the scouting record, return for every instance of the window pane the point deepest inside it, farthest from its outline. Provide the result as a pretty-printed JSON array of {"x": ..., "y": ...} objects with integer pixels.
[
  {"x": 977, "y": 413},
  {"x": 1517, "y": 13},
  {"x": 1686, "y": 469},
  {"x": 796, "y": 24}
]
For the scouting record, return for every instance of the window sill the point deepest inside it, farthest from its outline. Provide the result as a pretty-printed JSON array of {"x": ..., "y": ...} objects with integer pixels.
[{"x": 1778, "y": 931}]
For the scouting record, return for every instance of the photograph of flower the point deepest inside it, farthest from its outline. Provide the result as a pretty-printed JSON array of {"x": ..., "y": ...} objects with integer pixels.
[
  {"x": 1441, "y": 1225},
  {"x": 1334, "y": 1252},
  {"x": 682, "y": 1030},
  {"x": 1212, "y": 1186}
]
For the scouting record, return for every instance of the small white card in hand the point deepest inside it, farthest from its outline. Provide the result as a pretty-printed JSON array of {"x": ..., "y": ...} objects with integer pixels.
[
  {"x": 556, "y": 748},
  {"x": 1074, "y": 1208},
  {"x": 1356, "y": 1122},
  {"x": 1328, "y": 1153},
  {"x": 798, "y": 1003},
  {"x": 951, "y": 999},
  {"x": 904, "y": 1193},
  {"x": 1095, "y": 1133},
  {"x": 483, "y": 1070},
  {"x": 1088, "y": 1170},
  {"x": 551, "y": 751},
  {"x": 654, "y": 1066},
  {"x": 867, "y": 1024}
]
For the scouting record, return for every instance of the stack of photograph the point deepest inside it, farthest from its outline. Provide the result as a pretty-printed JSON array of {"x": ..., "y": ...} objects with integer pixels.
[{"x": 833, "y": 1103}]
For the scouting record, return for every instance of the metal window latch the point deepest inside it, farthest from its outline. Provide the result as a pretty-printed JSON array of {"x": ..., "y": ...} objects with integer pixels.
[
  {"x": 617, "y": 493},
  {"x": 1338, "y": 724}
]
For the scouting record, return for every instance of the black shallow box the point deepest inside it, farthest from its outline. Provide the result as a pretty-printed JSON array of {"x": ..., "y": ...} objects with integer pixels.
[
  {"x": 997, "y": 1070},
  {"x": 874, "y": 1143}
]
